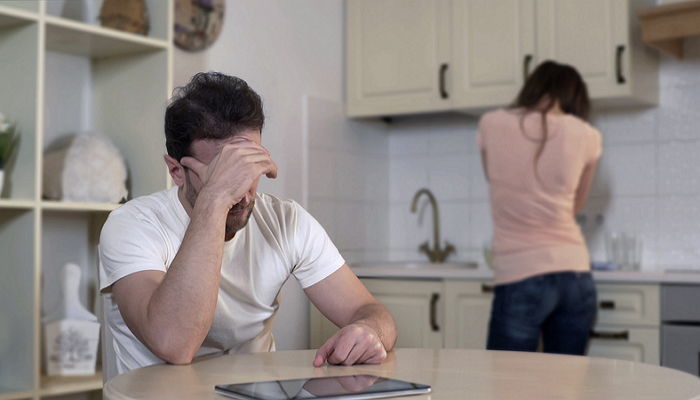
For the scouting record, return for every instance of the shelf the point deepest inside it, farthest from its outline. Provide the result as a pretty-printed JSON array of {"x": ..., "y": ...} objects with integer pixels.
[
  {"x": 87, "y": 40},
  {"x": 665, "y": 27},
  {"x": 10, "y": 17},
  {"x": 71, "y": 206},
  {"x": 57, "y": 385},
  {"x": 11, "y": 395},
  {"x": 16, "y": 204}
]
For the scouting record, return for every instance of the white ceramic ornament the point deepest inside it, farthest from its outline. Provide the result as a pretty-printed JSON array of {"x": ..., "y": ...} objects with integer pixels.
[{"x": 71, "y": 332}]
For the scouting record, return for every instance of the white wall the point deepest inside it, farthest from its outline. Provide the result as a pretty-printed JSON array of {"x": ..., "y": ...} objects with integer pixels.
[
  {"x": 291, "y": 53},
  {"x": 648, "y": 181}
]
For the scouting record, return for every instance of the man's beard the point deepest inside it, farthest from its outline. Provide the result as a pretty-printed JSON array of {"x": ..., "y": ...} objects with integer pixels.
[{"x": 234, "y": 223}]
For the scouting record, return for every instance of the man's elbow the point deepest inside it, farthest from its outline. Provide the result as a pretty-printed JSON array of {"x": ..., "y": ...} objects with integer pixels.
[{"x": 174, "y": 353}]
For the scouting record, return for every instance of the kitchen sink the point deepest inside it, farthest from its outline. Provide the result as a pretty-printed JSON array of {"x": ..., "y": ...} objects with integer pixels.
[{"x": 418, "y": 265}]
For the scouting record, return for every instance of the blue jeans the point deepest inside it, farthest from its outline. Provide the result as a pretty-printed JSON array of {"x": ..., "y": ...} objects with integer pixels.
[{"x": 560, "y": 306}]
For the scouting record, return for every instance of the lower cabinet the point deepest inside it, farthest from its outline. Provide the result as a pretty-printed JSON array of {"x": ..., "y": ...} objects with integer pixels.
[
  {"x": 467, "y": 312},
  {"x": 628, "y": 323},
  {"x": 455, "y": 314},
  {"x": 428, "y": 313},
  {"x": 416, "y": 307},
  {"x": 625, "y": 343}
]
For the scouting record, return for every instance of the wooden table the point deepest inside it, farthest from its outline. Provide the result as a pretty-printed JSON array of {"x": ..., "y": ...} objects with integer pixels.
[{"x": 453, "y": 374}]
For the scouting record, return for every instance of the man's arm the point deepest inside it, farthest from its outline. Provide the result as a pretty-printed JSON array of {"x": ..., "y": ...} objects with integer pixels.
[
  {"x": 367, "y": 329},
  {"x": 172, "y": 312}
]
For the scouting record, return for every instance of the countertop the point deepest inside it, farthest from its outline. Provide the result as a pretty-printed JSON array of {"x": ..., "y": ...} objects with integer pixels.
[{"x": 483, "y": 273}]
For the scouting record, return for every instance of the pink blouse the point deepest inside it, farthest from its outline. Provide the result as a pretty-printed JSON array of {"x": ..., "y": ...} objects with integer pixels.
[{"x": 535, "y": 231}]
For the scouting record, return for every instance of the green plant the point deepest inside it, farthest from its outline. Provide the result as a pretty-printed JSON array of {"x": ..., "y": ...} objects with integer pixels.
[{"x": 8, "y": 140}]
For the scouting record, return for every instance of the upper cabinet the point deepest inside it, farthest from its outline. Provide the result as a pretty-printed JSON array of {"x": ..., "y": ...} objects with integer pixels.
[
  {"x": 407, "y": 57},
  {"x": 493, "y": 48},
  {"x": 397, "y": 55},
  {"x": 601, "y": 39}
]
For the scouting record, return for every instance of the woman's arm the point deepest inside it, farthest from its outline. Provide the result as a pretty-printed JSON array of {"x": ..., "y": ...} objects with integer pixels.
[
  {"x": 483, "y": 164},
  {"x": 584, "y": 186}
]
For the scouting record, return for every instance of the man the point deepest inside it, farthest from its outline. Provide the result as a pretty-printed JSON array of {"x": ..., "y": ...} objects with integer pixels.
[{"x": 196, "y": 269}]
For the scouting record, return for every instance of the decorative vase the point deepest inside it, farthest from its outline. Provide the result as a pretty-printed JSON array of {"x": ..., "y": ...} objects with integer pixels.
[
  {"x": 71, "y": 332},
  {"x": 125, "y": 15}
]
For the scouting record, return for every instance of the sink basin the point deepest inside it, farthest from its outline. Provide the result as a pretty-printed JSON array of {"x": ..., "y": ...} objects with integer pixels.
[{"x": 418, "y": 265}]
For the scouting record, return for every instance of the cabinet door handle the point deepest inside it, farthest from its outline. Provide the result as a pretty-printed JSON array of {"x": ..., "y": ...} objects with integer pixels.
[
  {"x": 526, "y": 66},
  {"x": 607, "y": 304},
  {"x": 622, "y": 335},
  {"x": 618, "y": 64},
  {"x": 443, "y": 88},
  {"x": 485, "y": 288},
  {"x": 433, "y": 312}
]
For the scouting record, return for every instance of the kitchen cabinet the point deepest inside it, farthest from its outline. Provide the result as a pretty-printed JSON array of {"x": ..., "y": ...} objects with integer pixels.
[
  {"x": 467, "y": 313},
  {"x": 415, "y": 305},
  {"x": 601, "y": 39},
  {"x": 628, "y": 323},
  {"x": 396, "y": 56},
  {"x": 468, "y": 55},
  {"x": 493, "y": 48},
  {"x": 680, "y": 331},
  {"x": 455, "y": 313},
  {"x": 428, "y": 313}
]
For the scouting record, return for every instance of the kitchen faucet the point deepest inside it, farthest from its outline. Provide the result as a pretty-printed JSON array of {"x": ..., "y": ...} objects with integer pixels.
[{"x": 436, "y": 254}]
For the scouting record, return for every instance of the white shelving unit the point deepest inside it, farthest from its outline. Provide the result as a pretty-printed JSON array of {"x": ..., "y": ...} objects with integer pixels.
[{"x": 59, "y": 77}]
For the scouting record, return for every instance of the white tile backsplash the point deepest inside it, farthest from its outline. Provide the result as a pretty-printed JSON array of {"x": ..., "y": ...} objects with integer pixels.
[
  {"x": 679, "y": 168},
  {"x": 626, "y": 126},
  {"x": 408, "y": 230},
  {"x": 455, "y": 224},
  {"x": 478, "y": 186},
  {"x": 449, "y": 177},
  {"x": 678, "y": 123},
  {"x": 626, "y": 171},
  {"x": 679, "y": 232},
  {"x": 407, "y": 175},
  {"x": 322, "y": 172}
]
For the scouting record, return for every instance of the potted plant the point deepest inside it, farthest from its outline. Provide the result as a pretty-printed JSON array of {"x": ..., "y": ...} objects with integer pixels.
[{"x": 8, "y": 143}]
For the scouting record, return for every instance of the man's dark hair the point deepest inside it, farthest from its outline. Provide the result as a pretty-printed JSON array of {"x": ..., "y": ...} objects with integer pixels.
[{"x": 212, "y": 106}]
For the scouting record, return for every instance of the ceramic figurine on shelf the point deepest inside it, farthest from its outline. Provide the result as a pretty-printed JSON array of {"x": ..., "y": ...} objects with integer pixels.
[
  {"x": 86, "y": 167},
  {"x": 71, "y": 332}
]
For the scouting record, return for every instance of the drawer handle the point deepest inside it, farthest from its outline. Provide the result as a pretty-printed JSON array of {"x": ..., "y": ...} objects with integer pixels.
[
  {"x": 486, "y": 288},
  {"x": 623, "y": 335},
  {"x": 607, "y": 305},
  {"x": 433, "y": 312},
  {"x": 618, "y": 64},
  {"x": 443, "y": 88}
]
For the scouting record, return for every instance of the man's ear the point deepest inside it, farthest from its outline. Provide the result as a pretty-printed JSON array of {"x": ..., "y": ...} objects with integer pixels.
[{"x": 176, "y": 170}]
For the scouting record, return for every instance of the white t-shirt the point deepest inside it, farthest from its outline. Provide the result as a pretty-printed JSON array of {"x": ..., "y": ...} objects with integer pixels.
[{"x": 281, "y": 238}]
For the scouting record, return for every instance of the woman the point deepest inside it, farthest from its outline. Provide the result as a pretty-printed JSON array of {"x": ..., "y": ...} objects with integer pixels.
[{"x": 539, "y": 157}]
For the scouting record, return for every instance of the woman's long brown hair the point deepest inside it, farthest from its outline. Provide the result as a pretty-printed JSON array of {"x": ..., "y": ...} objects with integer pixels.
[{"x": 552, "y": 82}]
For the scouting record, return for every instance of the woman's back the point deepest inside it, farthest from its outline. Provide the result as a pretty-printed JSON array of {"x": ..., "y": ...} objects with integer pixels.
[{"x": 533, "y": 201}]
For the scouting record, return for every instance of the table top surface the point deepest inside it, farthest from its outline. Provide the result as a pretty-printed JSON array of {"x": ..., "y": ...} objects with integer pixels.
[{"x": 453, "y": 374}]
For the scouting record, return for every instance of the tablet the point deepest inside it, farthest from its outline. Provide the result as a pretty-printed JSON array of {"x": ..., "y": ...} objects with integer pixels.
[{"x": 346, "y": 387}]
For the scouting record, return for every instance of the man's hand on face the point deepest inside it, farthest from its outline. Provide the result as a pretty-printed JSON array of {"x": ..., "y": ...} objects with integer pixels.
[
  {"x": 233, "y": 171},
  {"x": 356, "y": 343}
]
